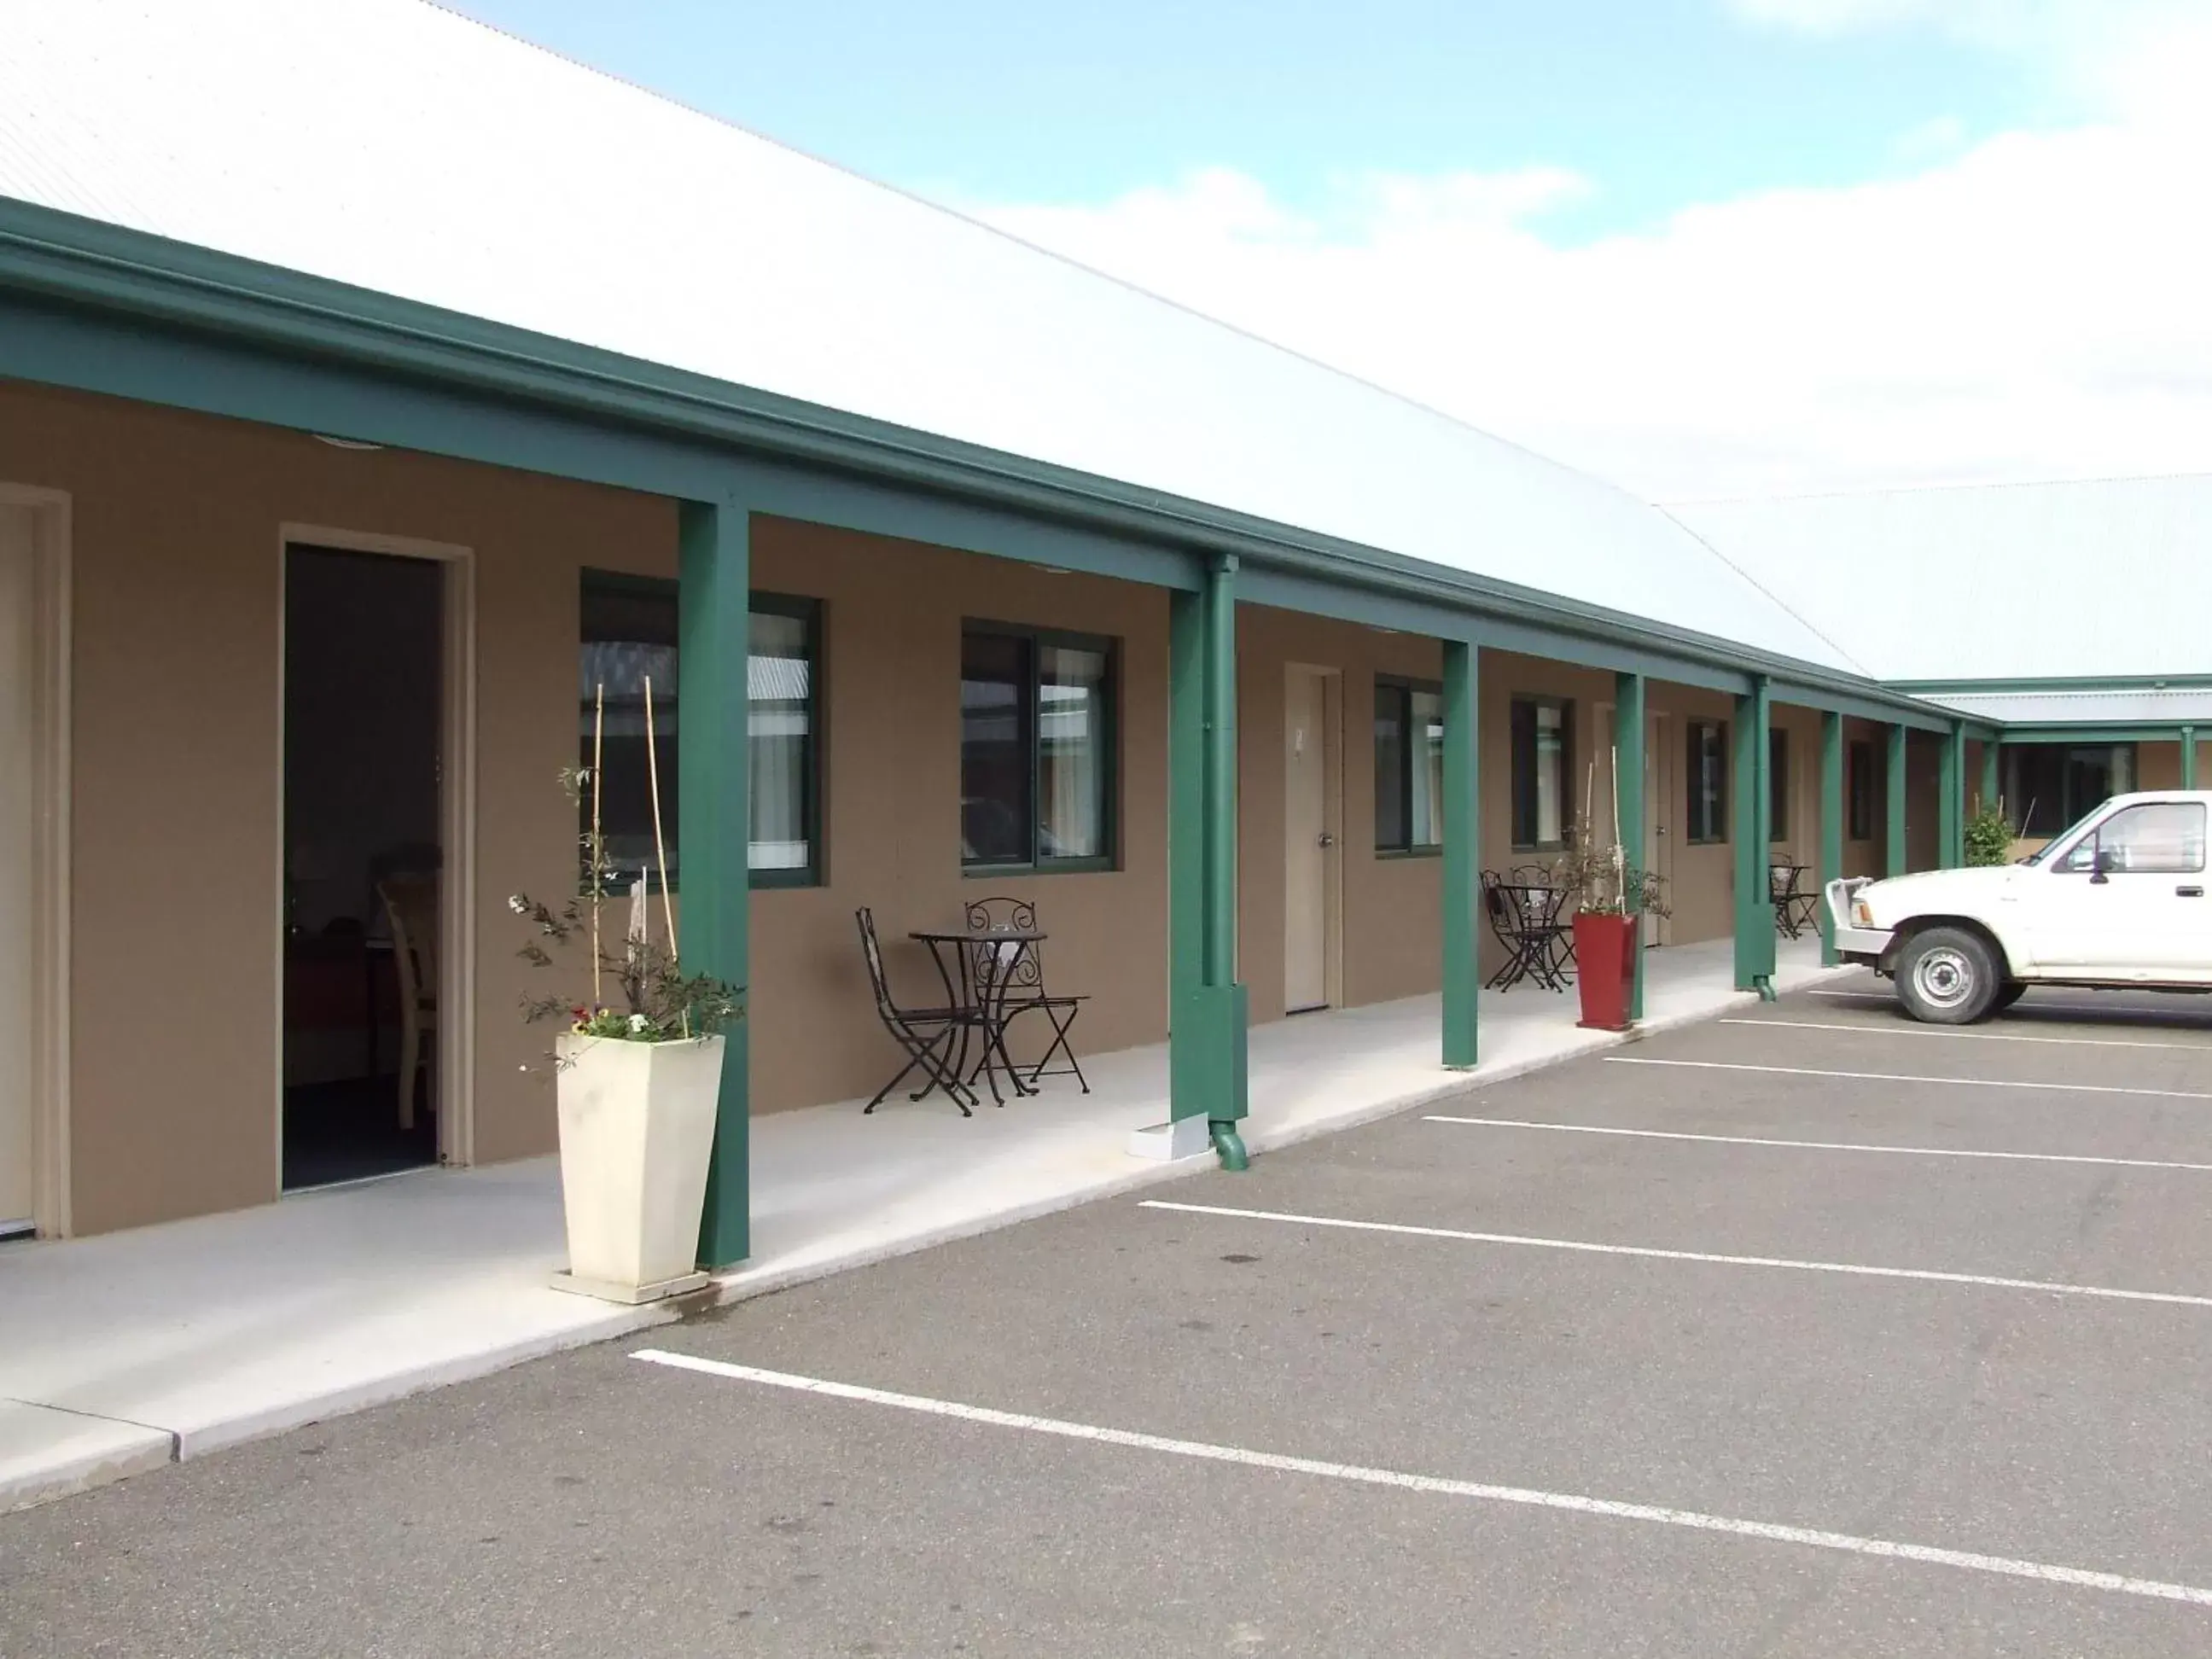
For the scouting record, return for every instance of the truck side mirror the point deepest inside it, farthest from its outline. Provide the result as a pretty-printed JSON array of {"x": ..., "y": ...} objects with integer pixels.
[{"x": 2100, "y": 863}]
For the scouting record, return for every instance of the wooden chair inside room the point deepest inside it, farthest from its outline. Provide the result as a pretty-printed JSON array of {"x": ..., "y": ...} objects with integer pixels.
[{"x": 410, "y": 906}]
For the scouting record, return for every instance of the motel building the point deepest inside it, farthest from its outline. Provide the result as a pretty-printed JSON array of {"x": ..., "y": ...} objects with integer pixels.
[{"x": 375, "y": 388}]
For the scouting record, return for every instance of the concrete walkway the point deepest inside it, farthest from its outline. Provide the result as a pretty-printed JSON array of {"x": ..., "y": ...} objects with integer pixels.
[{"x": 127, "y": 1351}]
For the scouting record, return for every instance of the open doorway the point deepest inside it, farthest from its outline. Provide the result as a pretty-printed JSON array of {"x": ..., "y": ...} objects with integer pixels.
[{"x": 364, "y": 875}]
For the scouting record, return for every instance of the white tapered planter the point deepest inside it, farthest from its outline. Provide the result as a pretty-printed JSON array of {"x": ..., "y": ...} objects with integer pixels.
[{"x": 637, "y": 1128}]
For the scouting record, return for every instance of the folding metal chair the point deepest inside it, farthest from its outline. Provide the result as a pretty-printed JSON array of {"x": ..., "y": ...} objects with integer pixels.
[
  {"x": 921, "y": 1032},
  {"x": 1793, "y": 903},
  {"x": 1018, "y": 983}
]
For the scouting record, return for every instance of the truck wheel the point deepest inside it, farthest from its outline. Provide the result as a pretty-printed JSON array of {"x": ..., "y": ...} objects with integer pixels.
[{"x": 1946, "y": 977}]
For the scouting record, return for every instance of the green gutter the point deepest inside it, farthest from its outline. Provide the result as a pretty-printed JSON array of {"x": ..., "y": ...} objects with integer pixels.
[{"x": 85, "y": 263}]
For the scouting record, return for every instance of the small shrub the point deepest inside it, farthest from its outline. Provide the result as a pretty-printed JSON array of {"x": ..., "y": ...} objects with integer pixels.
[{"x": 1988, "y": 836}]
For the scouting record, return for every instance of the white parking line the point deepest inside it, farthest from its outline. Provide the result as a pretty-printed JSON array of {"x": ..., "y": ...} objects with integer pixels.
[
  {"x": 1856, "y": 1269},
  {"x": 1574, "y": 1503},
  {"x": 1900, "y": 1077},
  {"x": 1972, "y": 1036},
  {"x": 1816, "y": 1145}
]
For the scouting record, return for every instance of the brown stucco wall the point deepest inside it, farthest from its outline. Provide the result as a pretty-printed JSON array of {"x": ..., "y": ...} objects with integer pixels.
[
  {"x": 176, "y": 727},
  {"x": 177, "y": 747}
]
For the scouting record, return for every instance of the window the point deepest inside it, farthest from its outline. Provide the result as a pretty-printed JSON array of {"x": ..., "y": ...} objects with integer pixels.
[
  {"x": 1543, "y": 779},
  {"x": 1860, "y": 790},
  {"x": 1708, "y": 776},
  {"x": 2162, "y": 838},
  {"x": 1409, "y": 767},
  {"x": 628, "y": 637},
  {"x": 2048, "y": 787},
  {"x": 1037, "y": 748},
  {"x": 1777, "y": 784}
]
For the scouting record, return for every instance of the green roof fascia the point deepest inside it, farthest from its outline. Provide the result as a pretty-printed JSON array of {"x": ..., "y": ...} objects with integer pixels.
[
  {"x": 2083, "y": 684},
  {"x": 255, "y": 342},
  {"x": 2109, "y": 732}
]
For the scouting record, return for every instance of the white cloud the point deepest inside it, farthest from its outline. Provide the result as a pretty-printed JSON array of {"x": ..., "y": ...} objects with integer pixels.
[{"x": 2034, "y": 306}]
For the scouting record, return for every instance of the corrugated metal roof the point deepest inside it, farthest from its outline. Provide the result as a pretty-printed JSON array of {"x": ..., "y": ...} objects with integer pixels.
[
  {"x": 398, "y": 147},
  {"x": 2108, "y": 578},
  {"x": 2182, "y": 706}
]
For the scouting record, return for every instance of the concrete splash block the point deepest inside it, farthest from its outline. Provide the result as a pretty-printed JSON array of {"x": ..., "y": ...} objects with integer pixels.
[{"x": 1168, "y": 1143}]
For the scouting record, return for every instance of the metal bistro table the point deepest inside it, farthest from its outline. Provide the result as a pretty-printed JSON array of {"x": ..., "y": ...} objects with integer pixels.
[{"x": 979, "y": 966}]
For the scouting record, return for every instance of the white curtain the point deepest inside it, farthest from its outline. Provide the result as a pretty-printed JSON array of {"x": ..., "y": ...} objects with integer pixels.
[
  {"x": 1071, "y": 752},
  {"x": 779, "y": 684}
]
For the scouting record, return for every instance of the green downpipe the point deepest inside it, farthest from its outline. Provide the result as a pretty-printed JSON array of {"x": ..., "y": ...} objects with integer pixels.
[{"x": 1229, "y": 1145}]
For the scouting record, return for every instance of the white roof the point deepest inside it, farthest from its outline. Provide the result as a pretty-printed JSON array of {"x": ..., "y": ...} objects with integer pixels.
[
  {"x": 401, "y": 148},
  {"x": 2103, "y": 579},
  {"x": 2177, "y": 705}
]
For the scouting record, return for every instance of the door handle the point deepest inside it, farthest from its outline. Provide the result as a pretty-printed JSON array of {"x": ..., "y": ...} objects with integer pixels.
[
  {"x": 1327, "y": 840},
  {"x": 2189, "y": 892}
]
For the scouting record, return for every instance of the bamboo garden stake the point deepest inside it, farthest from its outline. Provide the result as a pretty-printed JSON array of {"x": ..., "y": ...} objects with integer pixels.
[{"x": 598, "y": 738}]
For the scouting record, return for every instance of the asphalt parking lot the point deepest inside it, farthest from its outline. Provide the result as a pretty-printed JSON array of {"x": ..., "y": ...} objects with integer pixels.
[{"x": 1806, "y": 1332}]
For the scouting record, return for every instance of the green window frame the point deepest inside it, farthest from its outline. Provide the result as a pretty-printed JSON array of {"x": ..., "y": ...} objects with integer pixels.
[
  {"x": 1859, "y": 793},
  {"x": 1706, "y": 775},
  {"x": 633, "y": 621},
  {"x": 1533, "y": 717},
  {"x": 1019, "y": 804},
  {"x": 1409, "y": 749}
]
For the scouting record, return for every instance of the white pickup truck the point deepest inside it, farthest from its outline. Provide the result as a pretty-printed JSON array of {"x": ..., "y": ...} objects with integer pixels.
[{"x": 2118, "y": 900}]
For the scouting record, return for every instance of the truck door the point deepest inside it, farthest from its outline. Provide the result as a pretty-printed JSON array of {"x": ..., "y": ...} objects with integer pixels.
[{"x": 2127, "y": 900}]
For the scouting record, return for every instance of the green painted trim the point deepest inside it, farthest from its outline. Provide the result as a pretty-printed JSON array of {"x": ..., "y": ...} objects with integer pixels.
[
  {"x": 1754, "y": 899},
  {"x": 1992, "y": 775},
  {"x": 2147, "y": 732},
  {"x": 1221, "y": 755},
  {"x": 1186, "y": 832},
  {"x": 1629, "y": 719},
  {"x": 1832, "y": 828},
  {"x": 1859, "y": 704},
  {"x": 1895, "y": 786},
  {"x": 2188, "y": 757},
  {"x": 110, "y": 310},
  {"x": 2085, "y": 683},
  {"x": 1950, "y": 800},
  {"x": 1462, "y": 855},
  {"x": 1209, "y": 1013},
  {"x": 714, "y": 638}
]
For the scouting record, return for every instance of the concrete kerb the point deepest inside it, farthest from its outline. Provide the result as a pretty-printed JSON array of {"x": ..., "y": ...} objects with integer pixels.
[{"x": 107, "y": 1451}]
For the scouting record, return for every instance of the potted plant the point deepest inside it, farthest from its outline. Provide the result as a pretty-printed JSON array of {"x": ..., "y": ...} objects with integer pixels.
[
  {"x": 1611, "y": 898},
  {"x": 637, "y": 1077}
]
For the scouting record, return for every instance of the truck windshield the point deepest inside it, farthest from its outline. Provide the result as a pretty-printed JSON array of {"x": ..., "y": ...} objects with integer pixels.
[{"x": 2064, "y": 838}]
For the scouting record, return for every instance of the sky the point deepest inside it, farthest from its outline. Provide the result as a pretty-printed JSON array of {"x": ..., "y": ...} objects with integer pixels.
[{"x": 1704, "y": 247}]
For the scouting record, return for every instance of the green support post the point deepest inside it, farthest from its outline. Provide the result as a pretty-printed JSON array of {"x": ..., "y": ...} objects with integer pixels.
[
  {"x": 1992, "y": 774},
  {"x": 1206, "y": 1053},
  {"x": 1831, "y": 827},
  {"x": 1754, "y": 808},
  {"x": 2188, "y": 757},
  {"x": 1628, "y": 723},
  {"x": 1462, "y": 976},
  {"x": 1951, "y": 799},
  {"x": 1893, "y": 853},
  {"x": 714, "y": 827}
]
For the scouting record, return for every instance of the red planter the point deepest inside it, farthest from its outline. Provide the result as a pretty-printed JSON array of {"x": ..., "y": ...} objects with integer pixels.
[{"x": 1605, "y": 969}]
